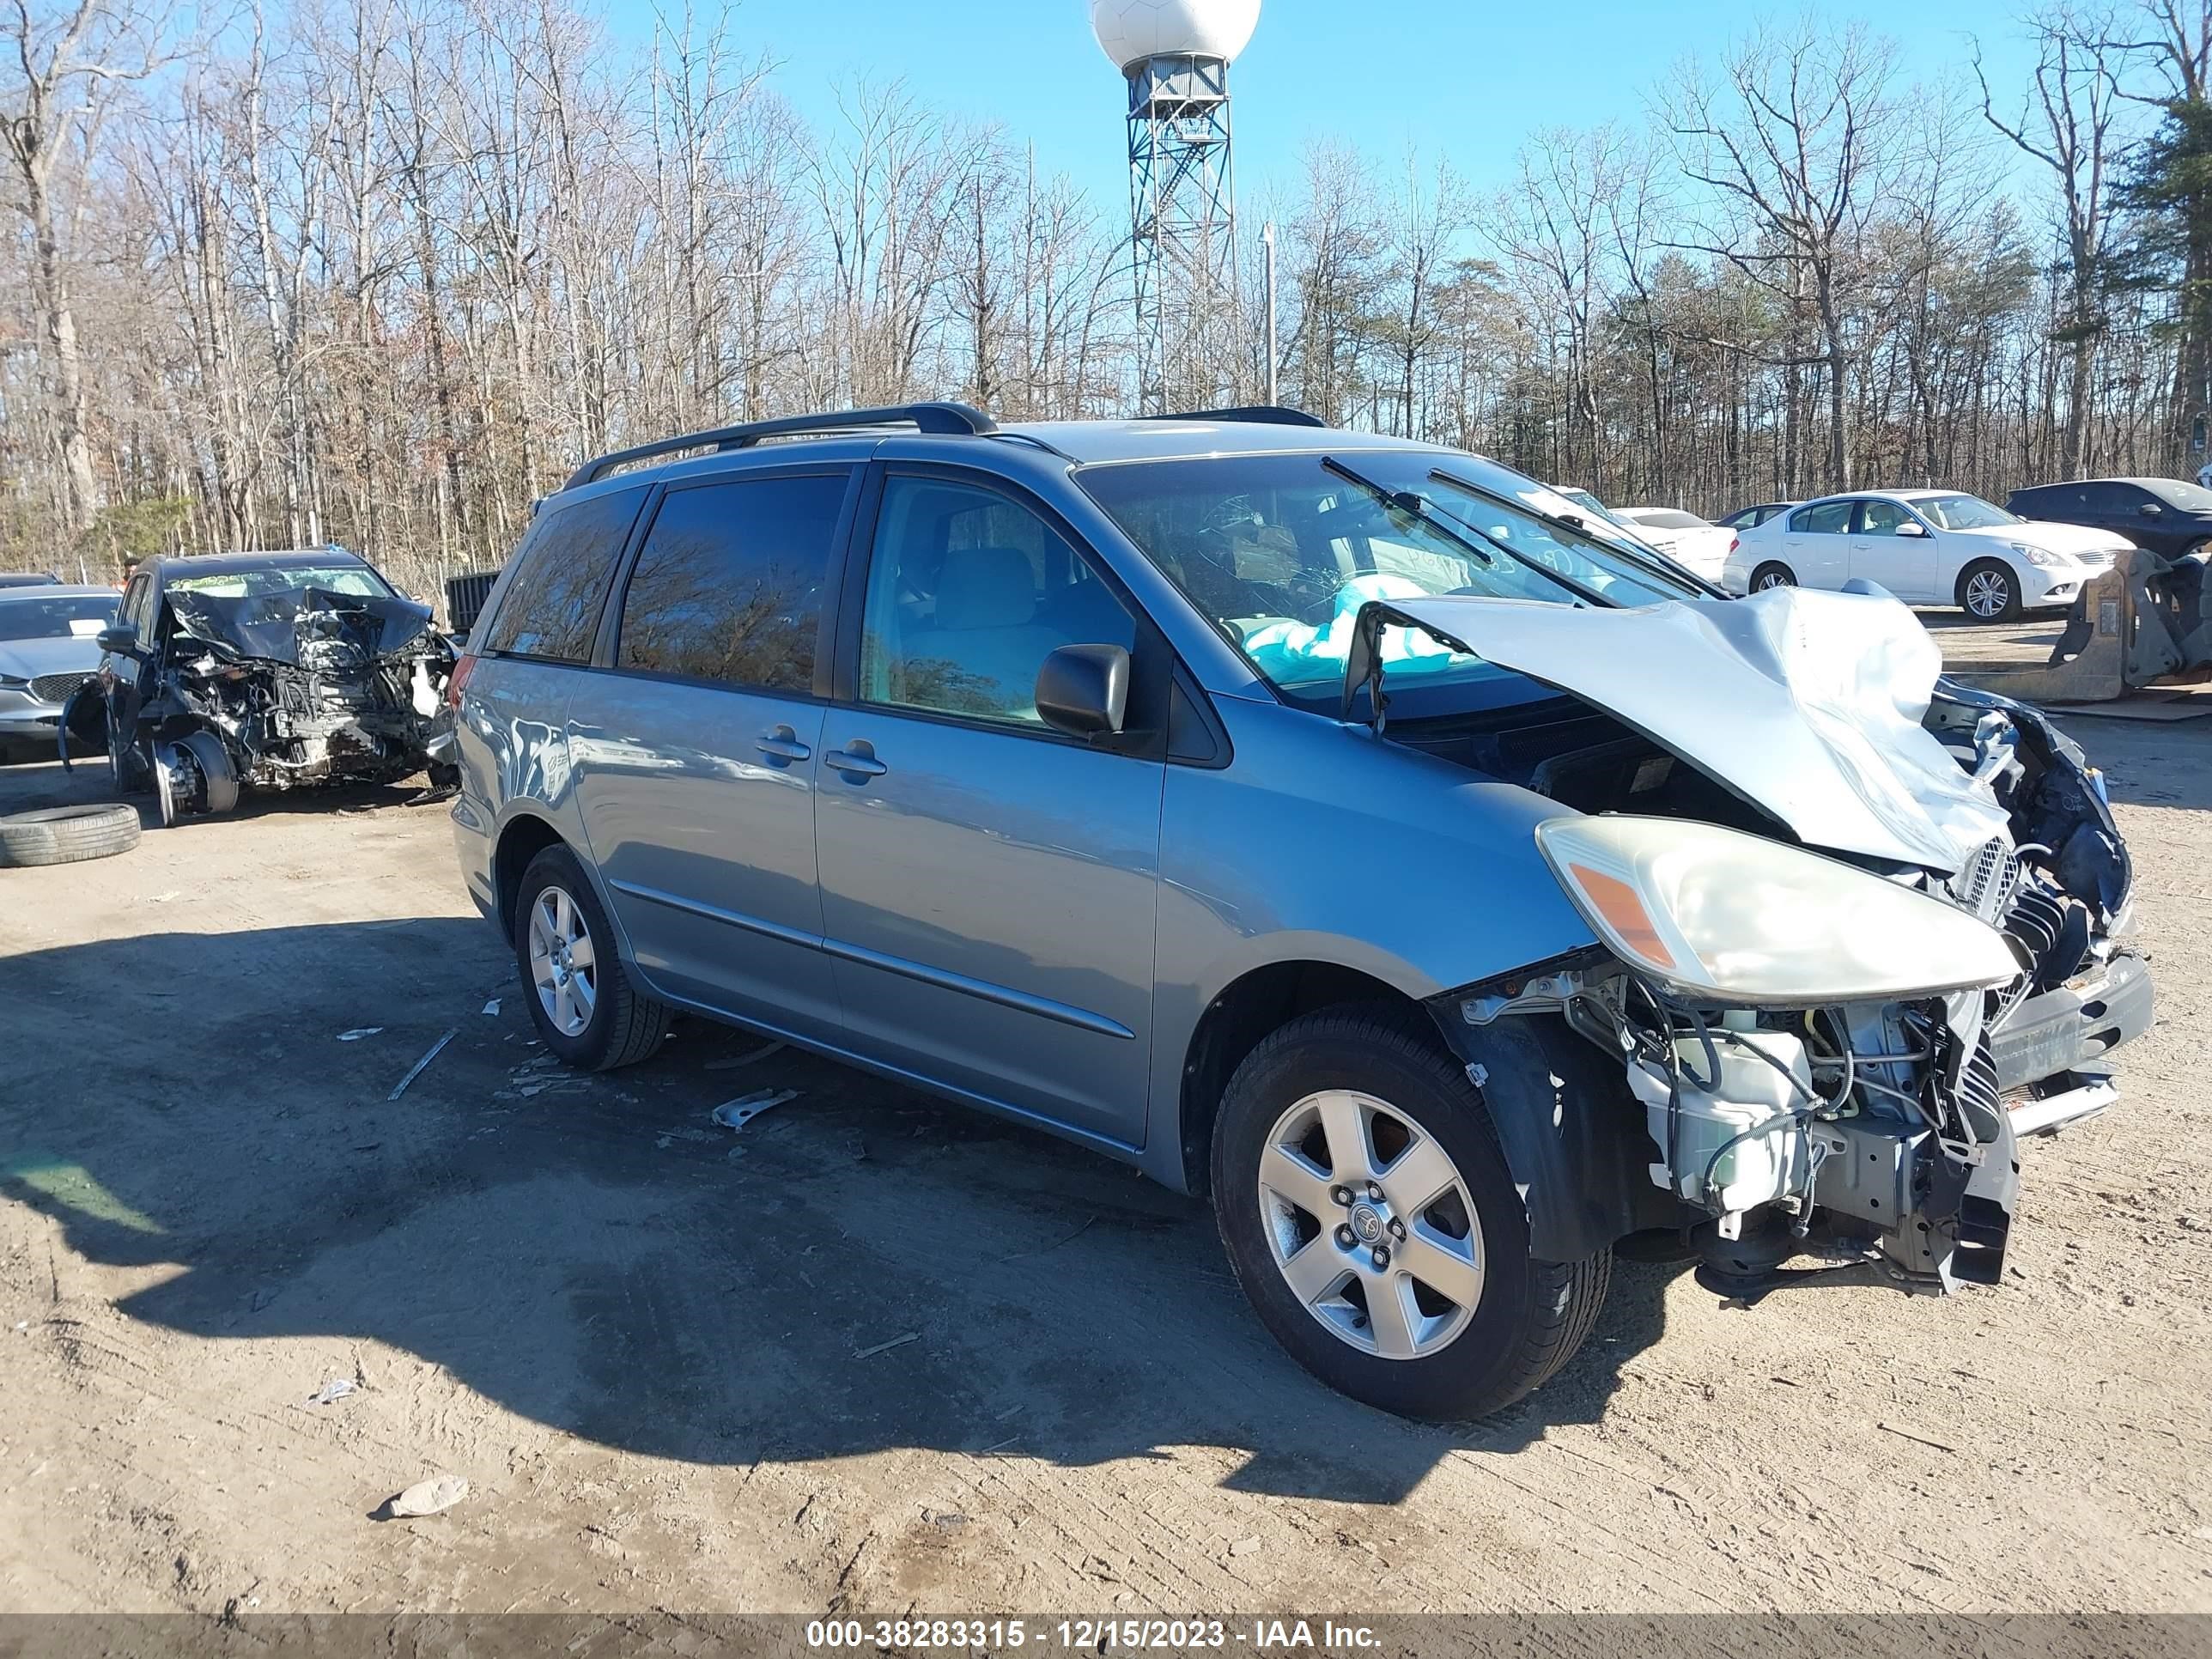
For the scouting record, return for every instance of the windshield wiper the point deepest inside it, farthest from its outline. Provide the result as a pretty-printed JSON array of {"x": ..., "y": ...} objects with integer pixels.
[
  {"x": 1657, "y": 562},
  {"x": 1418, "y": 507}
]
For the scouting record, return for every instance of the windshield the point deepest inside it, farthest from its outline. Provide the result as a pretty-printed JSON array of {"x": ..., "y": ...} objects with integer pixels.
[
  {"x": 1278, "y": 552},
  {"x": 1666, "y": 518},
  {"x": 74, "y": 616},
  {"x": 357, "y": 580},
  {"x": 1964, "y": 512},
  {"x": 2188, "y": 497}
]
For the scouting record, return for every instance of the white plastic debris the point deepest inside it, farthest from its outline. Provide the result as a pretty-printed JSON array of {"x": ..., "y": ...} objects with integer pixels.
[
  {"x": 430, "y": 1497},
  {"x": 421, "y": 1065},
  {"x": 736, "y": 1114},
  {"x": 492, "y": 1007},
  {"x": 331, "y": 1393},
  {"x": 358, "y": 1032}
]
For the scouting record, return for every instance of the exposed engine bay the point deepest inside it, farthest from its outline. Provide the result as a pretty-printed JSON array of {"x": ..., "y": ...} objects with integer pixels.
[
  {"x": 1875, "y": 1131},
  {"x": 286, "y": 690}
]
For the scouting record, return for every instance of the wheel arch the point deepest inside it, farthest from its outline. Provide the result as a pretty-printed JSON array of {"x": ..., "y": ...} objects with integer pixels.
[
  {"x": 1240, "y": 1016},
  {"x": 1995, "y": 562},
  {"x": 521, "y": 838}
]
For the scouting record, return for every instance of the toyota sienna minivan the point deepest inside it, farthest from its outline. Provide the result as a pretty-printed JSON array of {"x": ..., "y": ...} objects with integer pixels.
[{"x": 1343, "y": 827}]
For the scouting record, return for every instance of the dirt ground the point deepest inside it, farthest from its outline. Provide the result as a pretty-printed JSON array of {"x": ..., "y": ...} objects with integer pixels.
[{"x": 871, "y": 1354}]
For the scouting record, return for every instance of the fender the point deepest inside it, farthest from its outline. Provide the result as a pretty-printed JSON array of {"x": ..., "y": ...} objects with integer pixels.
[{"x": 1572, "y": 1134}]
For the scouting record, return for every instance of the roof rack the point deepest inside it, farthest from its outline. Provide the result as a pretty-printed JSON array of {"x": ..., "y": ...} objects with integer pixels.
[
  {"x": 952, "y": 420},
  {"x": 1250, "y": 414}
]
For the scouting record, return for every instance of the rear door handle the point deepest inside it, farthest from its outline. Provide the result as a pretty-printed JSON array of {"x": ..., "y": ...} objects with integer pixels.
[
  {"x": 782, "y": 746},
  {"x": 858, "y": 761}
]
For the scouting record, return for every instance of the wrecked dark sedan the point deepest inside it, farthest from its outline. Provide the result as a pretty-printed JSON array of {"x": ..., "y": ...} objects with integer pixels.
[{"x": 262, "y": 671}]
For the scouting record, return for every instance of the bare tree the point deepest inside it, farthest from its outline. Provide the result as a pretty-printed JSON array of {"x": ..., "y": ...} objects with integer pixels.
[
  {"x": 1794, "y": 138},
  {"x": 2067, "y": 124},
  {"x": 62, "y": 75}
]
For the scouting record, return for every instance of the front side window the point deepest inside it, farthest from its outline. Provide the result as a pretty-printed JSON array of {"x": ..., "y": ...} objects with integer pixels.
[
  {"x": 1964, "y": 513},
  {"x": 551, "y": 606},
  {"x": 1280, "y": 552},
  {"x": 968, "y": 592},
  {"x": 137, "y": 605},
  {"x": 730, "y": 581},
  {"x": 1881, "y": 518},
  {"x": 1823, "y": 519},
  {"x": 2188, "y": 497}
]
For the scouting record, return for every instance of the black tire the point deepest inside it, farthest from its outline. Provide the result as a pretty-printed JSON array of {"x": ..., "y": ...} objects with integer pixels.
[
  {"x": 1998, "y": 568},
  {"x": 129, "y": 770},
  {"x": 1773, "y": 574},
  {"x": 625, "y": 1025},
  {"x": 1530, "y": 1315},
  {"x": 67, "y": 834}
]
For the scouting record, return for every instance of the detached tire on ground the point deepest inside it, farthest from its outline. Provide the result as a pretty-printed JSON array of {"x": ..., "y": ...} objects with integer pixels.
[
  {"x": 581, "y": 998},
  {"x": 67, "y": 834},
  {"x": 1406, "y": 1283}
]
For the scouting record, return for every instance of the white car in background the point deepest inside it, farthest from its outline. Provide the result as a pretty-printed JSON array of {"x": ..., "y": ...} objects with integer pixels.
[
  {"x": 1926, "y": 547},
  {"x": 1614, "y": 521},
  {"x": 1683, "y": 537}
]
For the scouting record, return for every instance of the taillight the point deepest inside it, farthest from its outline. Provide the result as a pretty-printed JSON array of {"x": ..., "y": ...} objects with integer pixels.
[
  {"x": 1735, "y": 541},
  {"x": 458, "y": 678}
]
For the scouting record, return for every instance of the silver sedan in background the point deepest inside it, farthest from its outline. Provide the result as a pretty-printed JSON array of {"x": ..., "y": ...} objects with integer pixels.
[{"x": 49, "y": 646}]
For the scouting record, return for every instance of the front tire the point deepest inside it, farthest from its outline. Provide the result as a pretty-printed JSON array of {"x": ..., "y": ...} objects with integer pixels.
[
  {"x": 1771, "y": 575},
  {"x": 581, "y": 998},
  {"x": 1989, "y": 592},
  {"x": 1434, "y": 1308}
]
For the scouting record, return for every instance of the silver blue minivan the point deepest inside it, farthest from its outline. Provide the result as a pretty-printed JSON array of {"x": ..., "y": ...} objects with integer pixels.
[{"x": 1351, "y": 828}]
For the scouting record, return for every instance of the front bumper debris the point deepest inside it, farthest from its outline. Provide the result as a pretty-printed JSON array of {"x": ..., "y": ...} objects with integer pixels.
[{"x": 2075, "y": 1026}]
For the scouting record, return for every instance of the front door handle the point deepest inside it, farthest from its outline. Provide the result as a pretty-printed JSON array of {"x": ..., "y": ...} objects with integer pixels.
[
  {"x": 782, "y": 746},
  {"x": 856, "y": 760}
]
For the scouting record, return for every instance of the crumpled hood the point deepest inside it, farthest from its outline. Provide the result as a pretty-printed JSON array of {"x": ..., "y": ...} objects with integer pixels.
[
  {"x": 1806, "y": 703},
  {"x": 275, "y": 627}
]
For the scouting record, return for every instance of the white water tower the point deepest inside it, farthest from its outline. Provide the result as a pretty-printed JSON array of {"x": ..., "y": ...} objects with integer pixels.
[{"x": 1176, "y": 55}]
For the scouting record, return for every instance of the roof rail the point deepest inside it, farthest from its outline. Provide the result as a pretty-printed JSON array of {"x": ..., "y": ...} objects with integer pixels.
[
  {"x": 952, "y": 419},
  {"x": 1250, "y": 414}
]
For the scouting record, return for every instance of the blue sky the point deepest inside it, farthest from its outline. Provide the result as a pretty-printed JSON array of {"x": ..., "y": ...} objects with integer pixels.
[{"x": 1469, "y": 78}]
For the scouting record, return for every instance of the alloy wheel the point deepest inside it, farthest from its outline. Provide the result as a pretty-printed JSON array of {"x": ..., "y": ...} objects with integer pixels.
[
  {"x": 1371, "y": 1224},
  {"x": 563, "y": 963},
  {"x": 1988, "y": 592}
]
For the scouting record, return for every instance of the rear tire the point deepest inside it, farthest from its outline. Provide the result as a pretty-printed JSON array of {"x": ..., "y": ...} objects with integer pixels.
[
  {"x": 67, "y": 834},
  {"x": 1526, "y": 1316},
  {"x": 1989, "y": 592},
  {"x": 1772, "y": 575},
  {"x": 620, "y": 1025}
]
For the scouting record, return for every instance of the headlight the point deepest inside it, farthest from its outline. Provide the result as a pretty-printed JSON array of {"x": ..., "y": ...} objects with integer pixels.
[
  {"x": 2036, "y": 555},
  {"x": 1749, "y": 921},
  {"x": 14, "y": 683}
]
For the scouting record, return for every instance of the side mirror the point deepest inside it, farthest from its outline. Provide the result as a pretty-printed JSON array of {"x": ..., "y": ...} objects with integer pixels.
[
  {"x": 1912, "y": 527},
  {"x": 2151, "y": 510},
  {"x": 119, "y": 638},
  {"x": 1083, "y": 689}
]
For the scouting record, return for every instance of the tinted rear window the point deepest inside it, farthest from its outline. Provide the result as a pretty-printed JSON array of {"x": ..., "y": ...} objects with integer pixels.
[
  {"x": 730, "y": 582},
  {"x": 553, "y": 598}
]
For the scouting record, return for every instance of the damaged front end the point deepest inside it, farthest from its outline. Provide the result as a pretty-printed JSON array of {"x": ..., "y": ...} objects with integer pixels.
[
  {"x": 280, "y": 692},
  {"x": 1844, "y": 966}
]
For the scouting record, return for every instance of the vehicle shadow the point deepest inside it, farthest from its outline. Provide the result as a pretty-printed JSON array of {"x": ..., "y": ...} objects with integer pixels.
[
  {"x": 2146, "y": 763},
  {"x": 858, "y": 1268}
]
